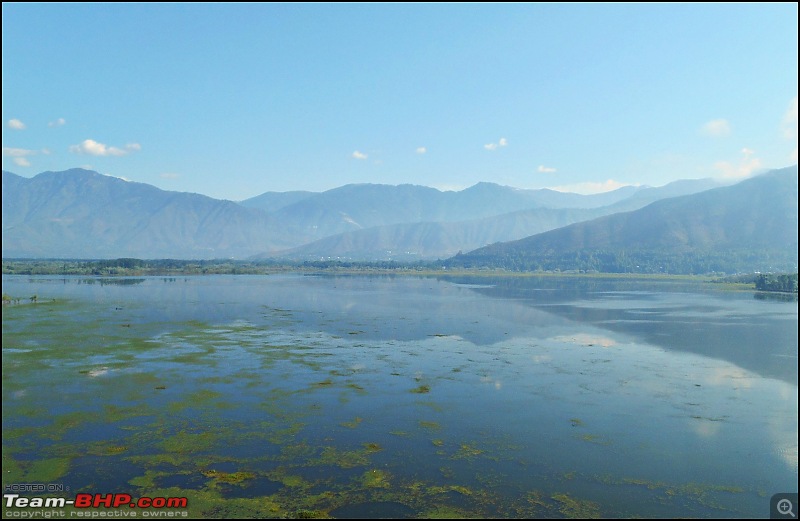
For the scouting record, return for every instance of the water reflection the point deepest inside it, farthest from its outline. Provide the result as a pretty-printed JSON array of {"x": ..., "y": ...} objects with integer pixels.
[{"x": 442, "y": 387}]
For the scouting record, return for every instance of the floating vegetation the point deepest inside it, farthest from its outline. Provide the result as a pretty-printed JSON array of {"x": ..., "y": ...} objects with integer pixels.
[
  {"x": 288, "y": 480},
  {"x": 375, "y": 478},
  {"x": 594, "y": 438},
  {"x": 575, "y": 508},
  {"x": 422, "y": 389},
  {"x": 189, "y": 442},
  {"x": 106, "y": 449},
  {"x": 467, "y": 451},
  {"x": 343, "y": 458},
  {"x": 41, "y": 471},
  {"x": 228, "y": 477},
  {"x": 352, "y": 424}
]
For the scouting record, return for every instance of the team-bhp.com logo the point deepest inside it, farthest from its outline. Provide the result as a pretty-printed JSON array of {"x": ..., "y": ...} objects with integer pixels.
[{"x": 26, "y": 506}]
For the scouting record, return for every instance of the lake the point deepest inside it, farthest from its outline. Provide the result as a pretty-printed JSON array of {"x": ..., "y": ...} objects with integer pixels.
[{"x": 400, "y": 396}]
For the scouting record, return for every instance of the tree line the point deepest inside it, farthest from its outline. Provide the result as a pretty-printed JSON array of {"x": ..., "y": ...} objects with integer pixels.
[{"x": 786, "y": 283}]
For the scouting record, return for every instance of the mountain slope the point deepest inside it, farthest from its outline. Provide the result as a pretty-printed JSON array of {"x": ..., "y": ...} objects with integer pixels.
[
  {"x": 79, "y": 213},
  {"x": 363, "y": 206},
  {"x": 754, "y": 221},
  {"x": 84, "y": 214},
  {"x": 434, "y": 240},
  {"x": 274, "y": 201},
  {"x": 438, "y": 240}
]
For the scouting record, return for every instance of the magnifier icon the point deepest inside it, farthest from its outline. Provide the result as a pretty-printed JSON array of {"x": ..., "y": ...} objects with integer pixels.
[{"x": 784, "y": 507}]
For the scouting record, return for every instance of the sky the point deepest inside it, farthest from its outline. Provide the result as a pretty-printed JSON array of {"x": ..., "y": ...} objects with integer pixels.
[{"x": 234, "y": 100}]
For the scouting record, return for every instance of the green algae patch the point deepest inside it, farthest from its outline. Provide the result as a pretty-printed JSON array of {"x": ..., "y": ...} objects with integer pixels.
[
  {"x": 296, "y": 451},
  {"x": 342, "y": 458},
  {"x": 375, "y": 478},
  {"x": 429, "y": 425},
  {"x": 575, "y": 508},
  {"x": 68, "y": 421},
  {"x": 311, "y": 514},
  {"x": 47, "y": 470},
  {"x": 466, "y": 451},
  {"x": 352, "y": 424},
  {"x": 422, "y": 389},
  {"x": 234, "y": 478},
  {"x": 209, "y": 503},
  {"x": 444, "y": 489},
  {"x": 282, "y": 476},
  {"x": 185, "y": 442},
  {"x": 372, "y": 447},
  {"x": 437, "y": 442},
  {"x": 593, "y": 438},
  {"x": 148, "y": 480},
  {"x": 12, "y": 471},
  {"x": 106, "y": 449},
  {"x": 448, "y": 512}
]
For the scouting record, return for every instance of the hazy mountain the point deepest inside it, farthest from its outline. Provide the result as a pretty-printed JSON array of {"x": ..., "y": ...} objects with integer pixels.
[
  {"x": 755, "y": 219},
  {"x": 82, "y": 214},
  {"x": 432, "y": 240},
  {"x": 435, "y": 240},
  {"x": 650, "y": 194},
  {"x": 363, "y": 206},
  {"x": 274, "y": 201}
]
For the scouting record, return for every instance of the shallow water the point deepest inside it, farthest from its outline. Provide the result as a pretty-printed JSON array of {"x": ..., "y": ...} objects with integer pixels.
[{"x": 291, "y": 395}]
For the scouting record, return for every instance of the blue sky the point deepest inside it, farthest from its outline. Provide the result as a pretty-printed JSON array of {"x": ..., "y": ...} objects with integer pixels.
[{"x": 234, "y": 100}]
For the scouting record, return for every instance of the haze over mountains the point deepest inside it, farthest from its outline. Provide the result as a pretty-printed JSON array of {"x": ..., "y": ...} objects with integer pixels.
[
  {"x": 751, "y": 223},
  {"x": 83, "y": 214}
]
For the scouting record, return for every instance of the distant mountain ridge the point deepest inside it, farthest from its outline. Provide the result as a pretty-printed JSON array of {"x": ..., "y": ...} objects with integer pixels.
[
  {"x": 755, "y": 219},
  {"x": 83, "y": 214}
]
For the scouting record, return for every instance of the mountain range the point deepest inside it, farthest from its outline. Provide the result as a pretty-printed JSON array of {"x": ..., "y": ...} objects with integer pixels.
[
  {"x": 752, "y": 223},
  {"x": 83, "y": 214}
]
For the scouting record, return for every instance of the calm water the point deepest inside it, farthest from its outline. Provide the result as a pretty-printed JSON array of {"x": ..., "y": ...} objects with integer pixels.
[{"x": 351, "y": 396}]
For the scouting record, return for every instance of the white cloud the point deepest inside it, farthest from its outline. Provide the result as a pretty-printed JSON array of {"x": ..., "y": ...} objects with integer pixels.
[
  {"x": 790, "y": 122},
  {"x": 716, "y": 128},
  {"x": 589, "y": 187},
  {"x": 503, "y": 142},
  {"x": 94, "y": 148},
  {"x": 17, "y": 152},
  {"x": 745, "y": 167},
  {"x": 16, "y": 124},
  {"x": 546, "y": 169},
  {"x": 359, "y": 155},
  {"x": 57, "y": 123},
  {"x": 19, "y": 155},
  {"x": 421, "y": 150}
]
